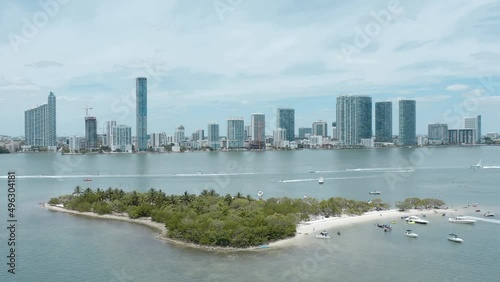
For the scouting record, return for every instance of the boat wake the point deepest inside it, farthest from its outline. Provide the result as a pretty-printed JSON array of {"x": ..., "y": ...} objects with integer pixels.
[
  {"x": 491, "y": 167},
  {"x": 382, "y": 169},
  {"x": 329, "y": 178},
  {"x": 125, "y": 175},
  {"x": 485, "y": 219}
]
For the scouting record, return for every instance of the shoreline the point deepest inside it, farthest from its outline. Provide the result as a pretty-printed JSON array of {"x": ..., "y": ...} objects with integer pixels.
[{"x": 303, "y": 229}]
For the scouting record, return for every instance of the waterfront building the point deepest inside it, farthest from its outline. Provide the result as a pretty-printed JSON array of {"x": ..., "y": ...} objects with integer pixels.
[
  {"x": 303, "y": 131},
  {"x": 141, "y": 89},
  {"x": 438, "y": 134},
  {"x": 91, "y": 133},
  {"x": 383, "y": 121},
  {"x": 474, "y": 123},
  {"x": 156, "y": 140},
  {"x": 122, "y": 138},
  {"x": 213, "y": 135},
  {"x": 279, "y": 136},
  {"x": 73, "y": 144},
  {"x": 354, "y": 119},
  {"x": 258, "y": 127},
  {"x": 334, "y": 131},
  {"x": 407, "y": 122},
  {"x": 235, "y": 133},
  {"x": 248, "y": 132},
  {"x": 285, "y": 119},
  {"x": 179, "y": 135},
  {"x": 316, "y": 141},
  {"x": 109, "y": 132},
  {"x": 40, "y": 124},
  {"x": 320, "y": 128}
]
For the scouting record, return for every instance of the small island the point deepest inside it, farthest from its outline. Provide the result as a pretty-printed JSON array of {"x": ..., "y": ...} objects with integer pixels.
[{"x": 210, "y": 220}]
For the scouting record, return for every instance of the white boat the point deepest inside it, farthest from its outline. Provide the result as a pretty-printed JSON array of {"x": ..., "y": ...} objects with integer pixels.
[
  {"x": 323, "y": 235},
  {"x": 489, "y": 214},
  {"x": 462, "y": 219},
  {"x": 478, "y": 165},
  {"x": 416, "y": 219},
  {"x": 321, "y": 180},
  {"x": 409, "y": 233},
  {"x": 374, "y": 192},
  {"x": 260, "y": 193},
  {"x": 454, "y": 238}
]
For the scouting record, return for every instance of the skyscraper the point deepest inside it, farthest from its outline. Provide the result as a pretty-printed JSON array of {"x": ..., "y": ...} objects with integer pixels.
[
  {"x": 122, "y": 138},
  {"x": 141, "y": 93},
  {"x": 179, "y": 136},
  {"x": 235, "y": 133},
  {"x": 91, "y": 132},
  {"x": 109, "y": 132},
  {"x": 40, "y": 124},
  {"x": 474, "y": 123},
  {"x": 383, "y": 121},
  {"x": 320, "y": 128},
  {"x": 285, "y": 119},
  {"x": 354, "y": 119},
  {"x": 258, "y": 127},
  {"x": 407, "y": 122},
  {"x": 213, "y": 135}
]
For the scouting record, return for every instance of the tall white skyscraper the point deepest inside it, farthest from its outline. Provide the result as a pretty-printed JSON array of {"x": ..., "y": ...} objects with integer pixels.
[
  {"x": 109, "y": 132},
  {"x": 179, "y": 135},
  {"x": 122, "y": 138},
  {"x": 40, "y": 124},
  {"x": 279, "y": 136}
]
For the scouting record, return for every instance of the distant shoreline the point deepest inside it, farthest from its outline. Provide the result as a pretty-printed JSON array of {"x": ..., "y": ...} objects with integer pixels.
[{"x": 303, "y": 229}]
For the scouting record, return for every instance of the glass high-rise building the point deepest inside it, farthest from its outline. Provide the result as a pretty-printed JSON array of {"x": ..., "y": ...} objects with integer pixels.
[
  {"x": 213, "y": 135},
  {"x": 354, "y": 119},
  {"x": 122, "y": 138},
  {"x": 438, "y": 134},
  {"x": 320, "y": 128},
  {"x": 141, "y": 99},
  {"x": 383, "y": 121},
  {"x": 91, "y": 132},
  {"x": 235, "y": 133},
  {"x": 303, "y": 131},
  {"x": 407, "y": 122},
  {"x": 40, "y": 124},
  {"x": 258, "y": 127},
  {"x": 285, "y": 119}
]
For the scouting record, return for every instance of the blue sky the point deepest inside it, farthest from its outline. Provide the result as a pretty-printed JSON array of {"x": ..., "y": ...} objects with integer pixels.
[{"x": 209, "y": 60}]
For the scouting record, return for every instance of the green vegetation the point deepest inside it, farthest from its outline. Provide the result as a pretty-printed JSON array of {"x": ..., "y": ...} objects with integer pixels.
[
  {"x": 215, "y": 220},
  {"x": 4, "y": 150},
  {"x": 416, "y": 203}
]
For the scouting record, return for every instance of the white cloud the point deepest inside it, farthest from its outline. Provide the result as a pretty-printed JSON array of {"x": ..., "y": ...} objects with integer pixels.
[{"x": 458, "y": 87}]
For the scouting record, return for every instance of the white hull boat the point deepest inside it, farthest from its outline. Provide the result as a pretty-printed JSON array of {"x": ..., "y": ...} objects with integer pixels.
[
  {"x": 454, "y": 238},
  {"x": 321, "y": 180},
  {"x": 462, "y": 219},
  {"x": 374, "y": 192},
  {"x": 416, "y": 219},
  {"x": 489, "y": 214},
  {"x": 410, "y": 234}
]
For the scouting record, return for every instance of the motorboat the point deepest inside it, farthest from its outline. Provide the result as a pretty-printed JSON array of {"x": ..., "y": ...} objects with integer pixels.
[
  {"x": 323, "y": 235},
  {"x": 416, "y": 219},
  {"x": 374, "y": 192},
  {"x": 87, "y": 179},
  {"x": 478, "y": 165},
  {"x": 386, "y": 227},
  {"x": 260, "y": 193},
  {"x": 321, "y": 180},
  {"x": 489, "y": 214},
  {"x": 409, "y": 233},
  {"x": 454, "y": 238},
  {"x": 462, "y": 219}
]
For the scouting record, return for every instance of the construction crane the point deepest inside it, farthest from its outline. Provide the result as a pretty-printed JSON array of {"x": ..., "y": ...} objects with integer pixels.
[{"x": 87, "y": 108}]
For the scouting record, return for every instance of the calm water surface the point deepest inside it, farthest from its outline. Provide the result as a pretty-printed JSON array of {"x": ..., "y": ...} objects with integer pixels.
[{"x": 60, "y": 247}]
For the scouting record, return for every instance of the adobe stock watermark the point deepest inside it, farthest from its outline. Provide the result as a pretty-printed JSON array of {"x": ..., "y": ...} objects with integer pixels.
[
  {"x": 365, "y": 35},
  {"x": 31, "y": 27},
  {"x": 222, "y": 7}
]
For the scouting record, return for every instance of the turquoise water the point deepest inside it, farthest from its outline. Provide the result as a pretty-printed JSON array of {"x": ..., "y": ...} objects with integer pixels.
[{"x": 60, "y": 247}]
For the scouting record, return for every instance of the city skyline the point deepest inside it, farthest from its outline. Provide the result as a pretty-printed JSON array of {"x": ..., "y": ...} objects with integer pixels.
[{"x": 450, "y": 69}]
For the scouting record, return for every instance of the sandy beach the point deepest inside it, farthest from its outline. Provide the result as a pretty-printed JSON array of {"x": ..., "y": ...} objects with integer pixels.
[{"x": 304, "y": 229}]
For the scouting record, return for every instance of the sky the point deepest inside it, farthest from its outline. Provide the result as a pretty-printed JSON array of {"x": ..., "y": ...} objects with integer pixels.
[{"x": 210, "y": 60}]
